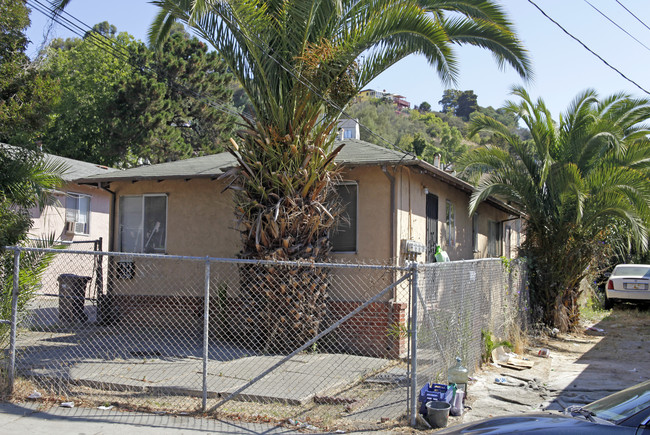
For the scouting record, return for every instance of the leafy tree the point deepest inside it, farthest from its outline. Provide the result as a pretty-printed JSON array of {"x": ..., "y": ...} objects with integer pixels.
[
  {"x": 424, "y": 107},
  {"x": 104, "y": 29},
  {"x": 138, "y": 105},
  {"x": 449, "y": 100},
  {"x": 419, "y": 143},
  {"x": 466, "y": 103},
  {"x": 82, "y": 123},
  {"x": 186, "y": 68},
  {"x": 25, "y": 94},
  {"x": 298, "y": 63},
  {"x": 576, "y": 181}
]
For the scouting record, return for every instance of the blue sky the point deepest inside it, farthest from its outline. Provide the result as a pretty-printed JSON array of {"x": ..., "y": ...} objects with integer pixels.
[{"x": 562, "y": 67}]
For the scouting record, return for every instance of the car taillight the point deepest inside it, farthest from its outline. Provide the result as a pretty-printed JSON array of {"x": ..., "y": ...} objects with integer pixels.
[{"x": 610, "y": 285}]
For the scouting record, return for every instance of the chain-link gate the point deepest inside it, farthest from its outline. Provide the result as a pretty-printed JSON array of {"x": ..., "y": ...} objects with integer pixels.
[{"x": 272, "y": 340}]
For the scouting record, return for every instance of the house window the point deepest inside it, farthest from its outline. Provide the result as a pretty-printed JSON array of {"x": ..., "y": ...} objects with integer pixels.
[
  {"x": 494, "y": 239},
  {"x": 348, "y": 133},
  {"x": 344, "y": 237},
  {"x": 475, "y": 232},
  {"x": 77, "y": 213},
  {"x": 451, "y": 224},
  {"x": 143, "y": 223}
]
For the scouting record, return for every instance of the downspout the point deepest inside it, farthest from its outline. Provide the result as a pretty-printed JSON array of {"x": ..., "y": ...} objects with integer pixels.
[
  {"x": 393, "y": 219},
  {"x": 391, "y": 179},
  {"x": 111, "y": 221}
]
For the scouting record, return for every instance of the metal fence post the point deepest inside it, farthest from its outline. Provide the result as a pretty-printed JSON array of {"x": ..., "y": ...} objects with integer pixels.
[
  {"x": 414, "y": 342},
  {"x": 14, "y": 321},
  {"x": 206, "y": 332}
]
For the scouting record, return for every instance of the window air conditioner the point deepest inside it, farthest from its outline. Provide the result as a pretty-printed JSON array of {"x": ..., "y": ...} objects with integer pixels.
[{"x": 72, "y": 227}]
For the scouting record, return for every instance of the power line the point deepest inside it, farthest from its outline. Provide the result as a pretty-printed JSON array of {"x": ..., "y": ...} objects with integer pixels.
[
  {"x": 120, "y": 52},
  {"x": 631, "y": 13},
  {"x": 614, "y": 23},
  {"x": 266, "y": 50},
  {"x": 587, "y": 48}
]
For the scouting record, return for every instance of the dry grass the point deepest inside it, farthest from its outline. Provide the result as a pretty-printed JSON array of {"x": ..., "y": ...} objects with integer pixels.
[{"x": 324, "y": 416}]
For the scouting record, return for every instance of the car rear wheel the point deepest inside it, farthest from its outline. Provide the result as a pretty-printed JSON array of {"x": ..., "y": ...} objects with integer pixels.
[{"x": 609, "y": 303}]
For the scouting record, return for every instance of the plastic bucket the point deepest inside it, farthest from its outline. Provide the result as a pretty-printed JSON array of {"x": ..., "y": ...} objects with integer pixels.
[{"x": 438, "y": 413}]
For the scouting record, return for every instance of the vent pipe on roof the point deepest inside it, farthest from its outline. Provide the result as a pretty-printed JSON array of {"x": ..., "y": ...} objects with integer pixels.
[{"x": 436, "y": 160}]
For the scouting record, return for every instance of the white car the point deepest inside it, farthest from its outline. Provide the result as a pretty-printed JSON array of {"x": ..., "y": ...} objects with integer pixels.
[{"x": 628, "y": 282}]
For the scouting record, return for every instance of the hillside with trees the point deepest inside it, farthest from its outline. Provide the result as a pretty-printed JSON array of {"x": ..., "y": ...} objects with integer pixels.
[{"x": 425, "y": 132}]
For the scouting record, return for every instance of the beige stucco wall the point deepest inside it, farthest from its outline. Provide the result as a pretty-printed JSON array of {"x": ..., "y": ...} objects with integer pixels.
[
  {"x": 412, "y": 215},
  {"x": 51, "y": 220},
  {"x": 201, "y": 222},
  {"x": 373, "y": 215},
  {"x": 200, "y": 218}
]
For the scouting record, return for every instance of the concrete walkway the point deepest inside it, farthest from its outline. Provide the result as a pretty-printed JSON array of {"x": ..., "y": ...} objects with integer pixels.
[
  {"x": 121, "y": 361},
  {"x": 29, "y": 419}
]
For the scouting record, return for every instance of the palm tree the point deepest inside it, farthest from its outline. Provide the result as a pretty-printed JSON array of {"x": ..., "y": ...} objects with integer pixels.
[
  {"x": 300, "y": 63},
  {"x": 27, "y": 181},
  {"x": 576, "y": 180}
]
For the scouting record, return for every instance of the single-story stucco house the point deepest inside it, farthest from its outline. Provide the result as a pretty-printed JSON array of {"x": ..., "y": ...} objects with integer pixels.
[{"x": 181, "y": 208}]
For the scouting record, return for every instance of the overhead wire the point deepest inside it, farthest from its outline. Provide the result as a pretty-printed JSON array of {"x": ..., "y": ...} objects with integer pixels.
[
  {"x": 616, "y": 24},
  {"x": 588, "y": 49},
  {"x": 59, "y": 17},
  {"x": 632, "y": 13},
  {"x": 120, "y": 52}
]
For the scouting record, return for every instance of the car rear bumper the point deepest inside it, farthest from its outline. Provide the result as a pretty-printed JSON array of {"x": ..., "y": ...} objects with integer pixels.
[{"x": 633, "y": 295}]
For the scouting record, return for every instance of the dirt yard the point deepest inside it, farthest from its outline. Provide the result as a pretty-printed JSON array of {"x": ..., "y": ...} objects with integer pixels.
[{"x": 611, "y": 353}]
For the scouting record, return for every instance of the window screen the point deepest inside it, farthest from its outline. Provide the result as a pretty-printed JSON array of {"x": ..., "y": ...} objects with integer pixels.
[
  {"x": 344, "y": 237},
  {"x": 77, "y": 209},
  {"x": 143, "y": 223},
  {"x": 494, "y": 239},
  {"x": 451, "y": 224}
]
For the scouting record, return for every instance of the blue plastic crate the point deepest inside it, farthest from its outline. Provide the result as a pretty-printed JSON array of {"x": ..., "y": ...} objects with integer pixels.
[{"x": 431, "y": 392}]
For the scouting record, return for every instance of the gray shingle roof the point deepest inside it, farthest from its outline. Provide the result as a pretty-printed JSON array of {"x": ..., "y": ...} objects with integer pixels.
[
  {"x": 74, "y": 169},
  {"x": 355, "y": 152}
]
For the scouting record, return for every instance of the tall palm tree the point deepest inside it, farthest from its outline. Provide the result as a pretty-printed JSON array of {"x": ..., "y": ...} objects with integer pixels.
[
  {"x": 300, "y": 63},
  {"x": 576, "y": 180}
]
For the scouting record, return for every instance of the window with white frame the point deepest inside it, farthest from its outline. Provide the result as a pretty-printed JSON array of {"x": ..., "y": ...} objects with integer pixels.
[
  {"x": 451, "y": 224},
  {"x": 494, "y": 239},
  {"x": 77, "y": 213},
  {"x": 475, "y": 232},
  {"x": 143, "y": 223},
  {"x": 344, "y": 237}
]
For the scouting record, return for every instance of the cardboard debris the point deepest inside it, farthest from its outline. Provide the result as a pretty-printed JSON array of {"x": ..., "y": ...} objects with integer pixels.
[{"x": 510, "y": 360}]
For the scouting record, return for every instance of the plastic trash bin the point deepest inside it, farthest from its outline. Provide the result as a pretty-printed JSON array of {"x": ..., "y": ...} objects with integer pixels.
[{"x": 72, "y": 296}]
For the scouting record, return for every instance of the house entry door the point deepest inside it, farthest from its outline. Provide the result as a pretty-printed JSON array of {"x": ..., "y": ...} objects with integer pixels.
[{"x": 432, "y": 227}]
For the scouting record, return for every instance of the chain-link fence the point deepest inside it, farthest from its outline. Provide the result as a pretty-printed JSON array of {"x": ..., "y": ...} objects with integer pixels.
[
  {"x": 270, "y": 340},
  {"x": 183, "y": 334},
  {"x": 462, "y": 302}
]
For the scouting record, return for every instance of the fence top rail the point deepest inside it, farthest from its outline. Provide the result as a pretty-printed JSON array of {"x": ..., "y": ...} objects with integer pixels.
[
  {"x": 476, "y": 260},
  {"x": 131, "y": 255}
]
